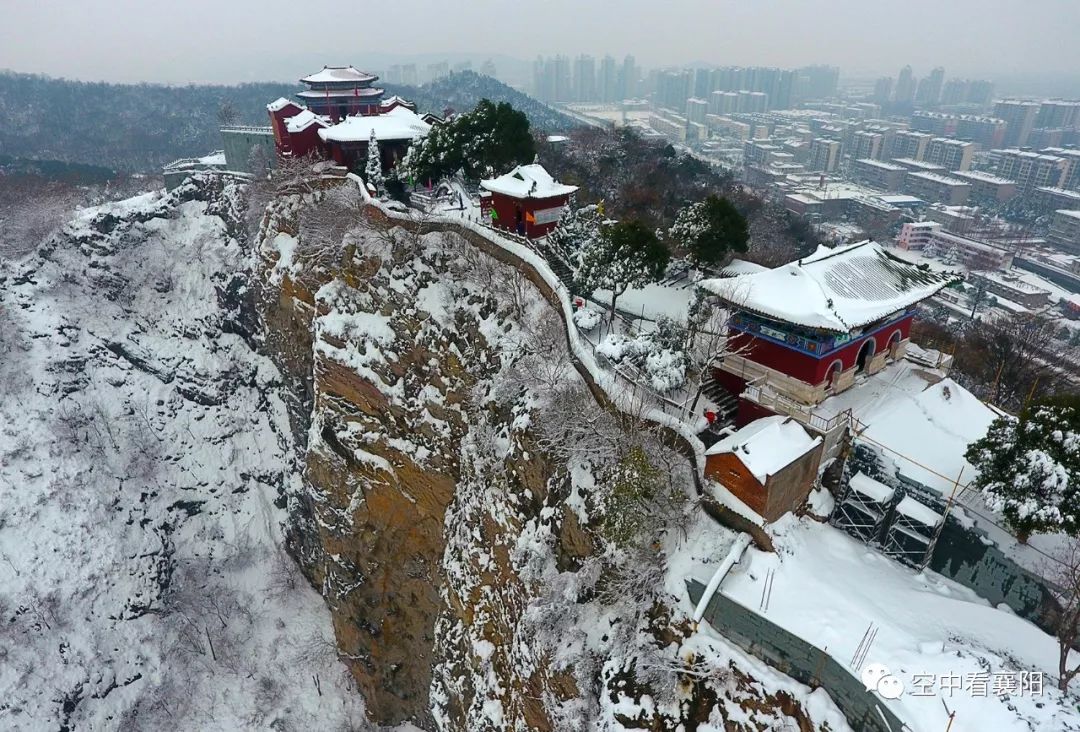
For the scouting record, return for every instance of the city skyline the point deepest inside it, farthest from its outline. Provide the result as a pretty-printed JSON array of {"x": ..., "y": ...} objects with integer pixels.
[{"x": 211, "y": 42}]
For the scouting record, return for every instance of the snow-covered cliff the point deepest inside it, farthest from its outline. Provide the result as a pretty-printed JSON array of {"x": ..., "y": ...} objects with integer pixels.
[
  {"x": 498, "y": 550},
  {"x": 144, "y": 459},
  {"x": 341, "y": 478}
]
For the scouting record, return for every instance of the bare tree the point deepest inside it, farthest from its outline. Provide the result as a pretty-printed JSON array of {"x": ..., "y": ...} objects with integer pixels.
[
  {"x": 227, "y": 114},
  {"x": 1008, "y": 360},
  {"x": 1064, "y": 571},
  {"x": 323, "y": 226},
  {"x": 31, "y": 211},
  {"x": 707, "y": 340}
]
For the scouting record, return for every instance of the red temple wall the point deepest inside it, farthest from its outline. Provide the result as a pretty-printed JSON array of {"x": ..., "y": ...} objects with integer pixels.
[
  {"x": 307, "y": 141},
  {"x": 507, "y": 208},
  {"x": 805, "y": 367}
]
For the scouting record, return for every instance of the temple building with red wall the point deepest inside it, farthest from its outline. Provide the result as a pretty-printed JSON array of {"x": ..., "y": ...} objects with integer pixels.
[
  {"x": 340, "y": 112},
  {"x": 527, "y": 200},
  {"x": 804, "y": 331}
]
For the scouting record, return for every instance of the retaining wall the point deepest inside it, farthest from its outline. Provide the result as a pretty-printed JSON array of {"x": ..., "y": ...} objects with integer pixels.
[{"x": 794, "y": 657}]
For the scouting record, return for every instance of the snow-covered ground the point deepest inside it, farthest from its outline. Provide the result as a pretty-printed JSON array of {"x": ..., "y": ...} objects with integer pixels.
[
  {"x": 653, "y": 300},
  {"x": 145, "y": 455},
  {"x": 829, "y": 589}
]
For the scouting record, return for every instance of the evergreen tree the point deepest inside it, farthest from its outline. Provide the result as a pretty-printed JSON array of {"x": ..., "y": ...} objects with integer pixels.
[
  {"x": 373, "y": 171},
  {"x": 710, "y": 229},
  {"x": 577, "y": 229},
  {"x": 1029, "y": 468},
  {"x": 625, "y": 255},
  {"x": 489, "y": 140}
]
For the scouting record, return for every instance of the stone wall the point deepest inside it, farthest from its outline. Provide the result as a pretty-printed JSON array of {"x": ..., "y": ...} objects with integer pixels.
[
  {"x": 964, "y": 556},
  {"x": 798, "y": 659},
  {"x": 238, "y": 144}
]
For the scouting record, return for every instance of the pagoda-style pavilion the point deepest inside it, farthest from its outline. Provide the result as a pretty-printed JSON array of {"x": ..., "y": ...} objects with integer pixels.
[
  {"x": 339, "y": 91},
  {"x": 807, "y": 329},
  {"x": 527, "y": 200}
]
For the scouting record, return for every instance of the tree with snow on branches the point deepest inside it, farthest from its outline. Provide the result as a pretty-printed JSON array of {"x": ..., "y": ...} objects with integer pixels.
[
  {"x": 373, "y": 172},
  {"x": 710, "y": 230},
  {"x": 625, "y": 255},
  {"x": 1029, "y": 468}
]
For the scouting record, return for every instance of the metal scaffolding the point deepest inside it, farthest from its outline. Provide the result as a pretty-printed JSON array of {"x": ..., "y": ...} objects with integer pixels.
[
  {"x": 911, "y": 535},
  {"x": 863, "y": 508}
]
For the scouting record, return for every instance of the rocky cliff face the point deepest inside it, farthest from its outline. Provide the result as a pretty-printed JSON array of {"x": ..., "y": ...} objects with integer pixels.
[
  {"x": 458, "y": 511},
  {"x": 145, "y": 454}
]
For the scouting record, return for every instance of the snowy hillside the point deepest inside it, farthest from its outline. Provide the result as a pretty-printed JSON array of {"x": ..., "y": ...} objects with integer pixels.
[{"x": 144, "y": 458}]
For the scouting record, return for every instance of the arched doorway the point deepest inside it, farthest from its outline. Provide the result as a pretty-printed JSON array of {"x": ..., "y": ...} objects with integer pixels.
[
  {"x": 865, "y": 354},
  {"x": 834, "y": 372},
  {"x": 894, "y": 342}
]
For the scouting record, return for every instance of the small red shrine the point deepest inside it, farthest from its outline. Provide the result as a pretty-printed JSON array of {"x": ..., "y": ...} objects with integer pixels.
[
  {"x": 527, "y": 200},
  {"x": 805, "y": 330}
]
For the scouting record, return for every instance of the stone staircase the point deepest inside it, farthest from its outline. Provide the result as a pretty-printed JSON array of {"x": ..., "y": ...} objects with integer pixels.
[
  {"x": 557, "y": 263},
  {"x": 727, "y": 406}
]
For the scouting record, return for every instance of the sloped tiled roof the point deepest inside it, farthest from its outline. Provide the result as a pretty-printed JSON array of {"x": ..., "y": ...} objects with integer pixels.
[{"x": 833, "y": 289}]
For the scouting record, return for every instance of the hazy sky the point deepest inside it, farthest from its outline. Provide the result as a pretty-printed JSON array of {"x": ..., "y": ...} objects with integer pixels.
[{"x": 243, "y": 40}]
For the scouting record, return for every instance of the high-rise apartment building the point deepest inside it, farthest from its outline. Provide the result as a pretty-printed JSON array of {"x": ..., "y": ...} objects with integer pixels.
[
  {"x": 608, "y": 80},
  {"x": 585, "y": 79},
  {"x": 929, "y": 91},
  {"x": 696, "y": 109},
  {"x": 1019, "y": 115},
  {"x": 1058, "y": 113},
  {"x": 824, "y": 155},
  {"x": 950, "y": 154},
  {"x": 904, "y": 92},
  {"x": 909, "y": 145},
  {"x": 988, "y": 132},
  {"x": 867, "y": 145},
  {"x": 816, "y": 82},
  {"x": 883, "y": 90},
  {"x": 1032, "y": 170},
  {"x": 629, "y": 78}
]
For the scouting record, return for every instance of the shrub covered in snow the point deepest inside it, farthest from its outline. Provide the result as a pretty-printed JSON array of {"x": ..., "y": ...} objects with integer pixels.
[
  {"x": 1029, "y": 469},
  {"x": 373, "y": 171},
  {"x": 586, "y": 318},
  {"x": 658, "y": 354},
  {"x": 577, "y": 230}
]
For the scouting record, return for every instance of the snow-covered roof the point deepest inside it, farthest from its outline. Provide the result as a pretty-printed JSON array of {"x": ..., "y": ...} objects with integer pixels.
[
  {"x": 279, "y": 104},
  {"x": 398, "y": 100},
  {"x": 302, "y": 121},
  {"x": 400, "y": 123},
  {"x": 768, "y": 445},
  {"x": 926, "y": 434},
  {"x": 527, "y": 181},
  {"x": 902, "y": 200},
  {"x": 339, "y": 74},
  {"x": 833, "y": 289},
  {"x": 738, "y": 267},
  {"x": 911, "y": 508},
  {"x": 867, "y": 486}
]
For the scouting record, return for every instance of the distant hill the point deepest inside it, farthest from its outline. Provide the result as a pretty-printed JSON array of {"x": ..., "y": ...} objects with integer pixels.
[
  {"x": 140, "y": 127},
  {"x": 461, "y": 90}
]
